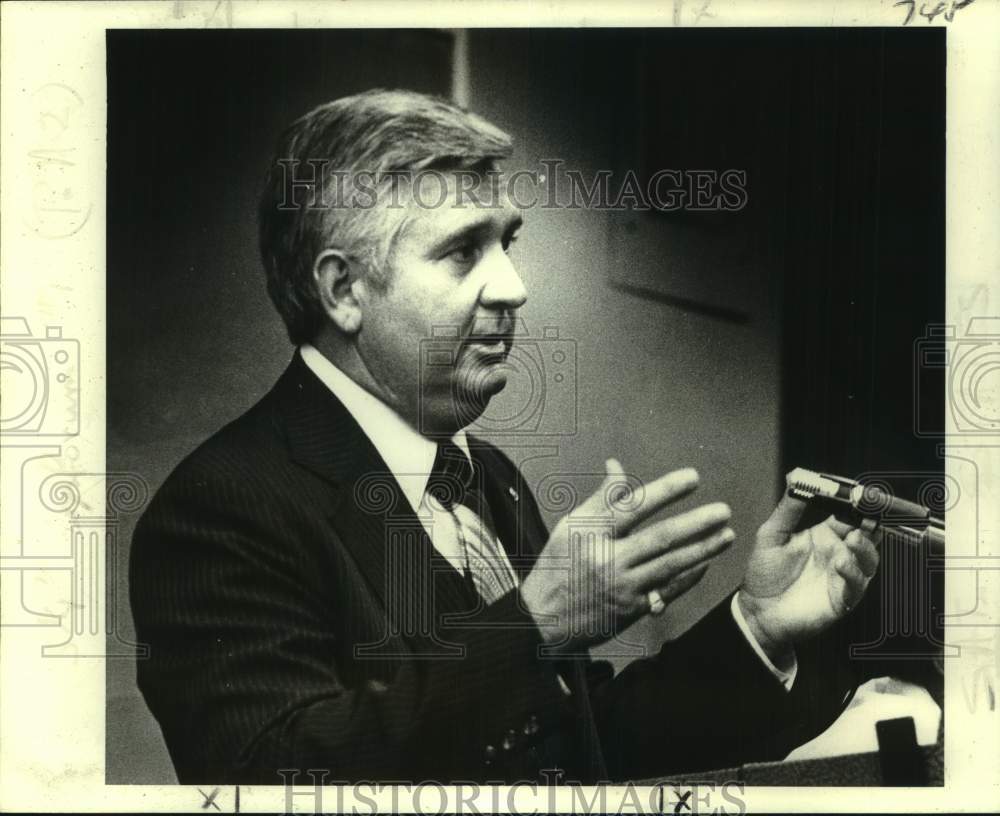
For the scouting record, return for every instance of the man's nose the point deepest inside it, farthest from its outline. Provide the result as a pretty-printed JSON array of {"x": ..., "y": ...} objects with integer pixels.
[{"x": 503, "y": 286}]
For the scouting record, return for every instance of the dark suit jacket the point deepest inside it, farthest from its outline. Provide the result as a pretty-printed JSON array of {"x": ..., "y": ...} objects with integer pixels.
[{"x": 298, "y": 617}]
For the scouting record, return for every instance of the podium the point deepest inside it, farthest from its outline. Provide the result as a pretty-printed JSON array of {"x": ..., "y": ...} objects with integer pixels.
[{"x": 900, "y": 761}]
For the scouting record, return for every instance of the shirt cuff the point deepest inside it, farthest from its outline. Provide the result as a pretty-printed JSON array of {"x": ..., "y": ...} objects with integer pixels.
[{"x": 786, "y": 678}]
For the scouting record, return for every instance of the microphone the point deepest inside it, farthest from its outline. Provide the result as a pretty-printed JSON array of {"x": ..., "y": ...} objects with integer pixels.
[{"x": 875, "y": 506}]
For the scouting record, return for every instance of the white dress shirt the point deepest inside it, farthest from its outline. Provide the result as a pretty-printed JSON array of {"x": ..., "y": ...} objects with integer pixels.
[{"x": 410, "y": 457}]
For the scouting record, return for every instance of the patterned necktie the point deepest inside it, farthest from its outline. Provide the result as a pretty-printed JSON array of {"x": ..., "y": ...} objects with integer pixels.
[{"x": 457, "y": 485}]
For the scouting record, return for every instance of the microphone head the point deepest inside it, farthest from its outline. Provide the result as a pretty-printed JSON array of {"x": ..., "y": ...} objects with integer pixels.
[{"x": 807, "y": 484}]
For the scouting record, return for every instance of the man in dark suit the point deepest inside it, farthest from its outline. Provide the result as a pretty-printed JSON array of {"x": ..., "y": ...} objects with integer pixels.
[{"x": 344, "y": 580}]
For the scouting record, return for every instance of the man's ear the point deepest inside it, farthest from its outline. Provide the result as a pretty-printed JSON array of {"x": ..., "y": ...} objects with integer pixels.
[{"x": 336, "y": 277}]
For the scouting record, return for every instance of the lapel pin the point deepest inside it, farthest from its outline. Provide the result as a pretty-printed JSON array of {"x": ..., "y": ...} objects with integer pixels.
[{"x": 513, "y": 493}]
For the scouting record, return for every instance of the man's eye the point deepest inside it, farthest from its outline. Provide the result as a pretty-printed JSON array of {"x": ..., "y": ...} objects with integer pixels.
[{"x": 466, "y": 254}]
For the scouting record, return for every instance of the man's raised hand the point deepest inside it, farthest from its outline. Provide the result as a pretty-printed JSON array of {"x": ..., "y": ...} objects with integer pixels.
[
  {"x": 597, "y": 570},
  {"x": 798, "y": 583}
]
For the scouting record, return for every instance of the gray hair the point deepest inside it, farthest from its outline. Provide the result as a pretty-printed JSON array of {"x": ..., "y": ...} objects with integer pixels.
[{"x": 378, "y": 132}]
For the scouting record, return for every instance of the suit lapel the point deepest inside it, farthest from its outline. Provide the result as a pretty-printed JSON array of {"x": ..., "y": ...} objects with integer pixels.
[{"x": 368, "y": 509}]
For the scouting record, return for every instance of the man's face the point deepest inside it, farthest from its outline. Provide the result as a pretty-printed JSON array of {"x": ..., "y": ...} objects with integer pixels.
[{"x": 436, "y": 339}]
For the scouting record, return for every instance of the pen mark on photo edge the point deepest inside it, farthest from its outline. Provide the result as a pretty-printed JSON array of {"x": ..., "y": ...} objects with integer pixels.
[
  {"x": 59, "y": 206},
  {"x": 930, "y": 10},
  {"x": 209, "y": 799}
]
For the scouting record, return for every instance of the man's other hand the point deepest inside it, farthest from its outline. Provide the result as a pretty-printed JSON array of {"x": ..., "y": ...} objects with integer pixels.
[
  {"x": 597, "y": 570},
  {"x": 797, "y": 584}
]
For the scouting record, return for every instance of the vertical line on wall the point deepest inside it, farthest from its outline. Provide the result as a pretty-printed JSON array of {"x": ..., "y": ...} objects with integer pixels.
[{"x": 460, "y": 67}]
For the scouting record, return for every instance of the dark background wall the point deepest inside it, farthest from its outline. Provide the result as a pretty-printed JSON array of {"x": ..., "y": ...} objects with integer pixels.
[{"x": 739, "y": 343}]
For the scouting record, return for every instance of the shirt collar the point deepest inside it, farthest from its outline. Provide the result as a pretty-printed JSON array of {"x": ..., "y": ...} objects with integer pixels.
[{"x": 408, "y": 454}]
